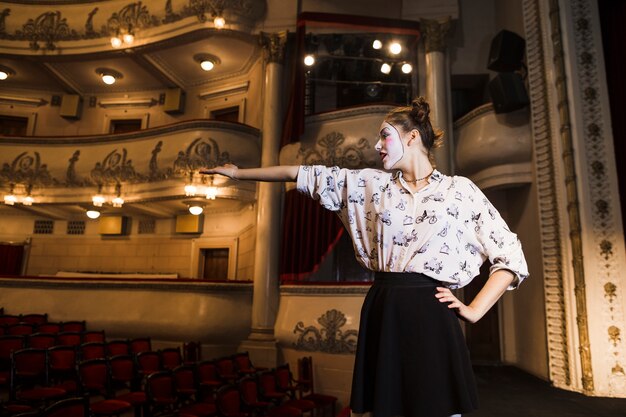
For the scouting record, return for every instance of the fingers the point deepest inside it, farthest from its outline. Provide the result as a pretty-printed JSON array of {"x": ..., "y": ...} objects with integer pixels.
[{"x": 445, "y": 296}]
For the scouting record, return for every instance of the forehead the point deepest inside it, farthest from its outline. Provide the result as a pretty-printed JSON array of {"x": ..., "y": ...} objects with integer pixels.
[{"x": 388, "y": 126}]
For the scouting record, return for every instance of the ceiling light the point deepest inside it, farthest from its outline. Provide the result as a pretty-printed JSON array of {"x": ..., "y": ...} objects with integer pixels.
[
  {"x": 93, "y": 214},
  {"x": 309, "y": 60},
  {"x": 385, "y": 68},
  {"x": 207, "y": 61},
  {"x": 108, "y": 75},
  {"x": 407, "y": 68},
  {"x": 207, "y": 65},
  {"x": 395, "y": 48},
  {"x": 116, "y": 42},
  {"x": 128, "y": 38},
  {"x": 28, "y": 200},
  {"x": 377, "y": 44},
  {"x": 219, "y": 22},
  {"x": 196, "y": 210},
  {"x": 5, "y": 72}
]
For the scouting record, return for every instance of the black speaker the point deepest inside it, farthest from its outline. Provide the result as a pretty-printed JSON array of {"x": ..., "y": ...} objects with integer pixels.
[
  {"x": 508, "y": 92},
  {"x": 506, "y": 52}
]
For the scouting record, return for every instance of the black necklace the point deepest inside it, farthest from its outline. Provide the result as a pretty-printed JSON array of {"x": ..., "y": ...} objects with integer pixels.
[{"x": 420, "y": 179}]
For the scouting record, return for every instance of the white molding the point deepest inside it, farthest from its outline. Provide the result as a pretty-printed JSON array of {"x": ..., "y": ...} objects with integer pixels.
[
  {"x": 228, "y": 90},
  {"x": 127, "y": 102},
  {"x": 22, "y": 101}
]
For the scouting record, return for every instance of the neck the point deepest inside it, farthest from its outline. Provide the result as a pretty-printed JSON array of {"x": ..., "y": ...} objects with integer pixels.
[{"x": 417, "y": 171}]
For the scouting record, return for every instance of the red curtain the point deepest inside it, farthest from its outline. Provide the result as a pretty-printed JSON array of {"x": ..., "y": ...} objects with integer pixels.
[
  {"x": 612, "y": 17},
  {"x": 310, "y": 232},
  {"x": 11, "y": 259}
]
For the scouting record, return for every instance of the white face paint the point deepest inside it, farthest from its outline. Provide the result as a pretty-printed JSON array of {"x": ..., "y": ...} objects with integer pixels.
[{"x": 389, "y": 146}]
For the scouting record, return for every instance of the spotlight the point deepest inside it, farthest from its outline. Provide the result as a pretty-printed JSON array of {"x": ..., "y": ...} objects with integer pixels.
[
  {"x": 108, "y": 75},
  {"x": 407, "y": 68},
  {"x": 395, "y": 48},
  {"x": 219, "y": 22},
  {"x": 377, "y": 44},
  {"x": 196, "y": 210},
  {"x": 93, "y": 214},
  {"x": 116, "y": 42},
  {"x": 385, "y": 68},
  {"x": 309, "y": 60}
]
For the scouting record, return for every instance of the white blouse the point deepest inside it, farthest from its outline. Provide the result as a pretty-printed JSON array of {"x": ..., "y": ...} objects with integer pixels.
[{"x": 446, "y": 230}]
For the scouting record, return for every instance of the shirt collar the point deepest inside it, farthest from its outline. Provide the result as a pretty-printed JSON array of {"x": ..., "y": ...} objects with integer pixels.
[{"x": 435, "y": 176}]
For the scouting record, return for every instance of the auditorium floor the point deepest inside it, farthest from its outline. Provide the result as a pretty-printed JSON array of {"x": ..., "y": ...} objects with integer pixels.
[{"x": 506, "y": 391}]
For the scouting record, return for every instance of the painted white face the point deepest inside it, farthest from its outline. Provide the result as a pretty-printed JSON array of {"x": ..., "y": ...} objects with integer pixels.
[{"x": 389, "y": 145}]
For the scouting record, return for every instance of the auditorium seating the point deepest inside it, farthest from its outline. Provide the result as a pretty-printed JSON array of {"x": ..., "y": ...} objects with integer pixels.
[{"x": 53, "y": 363}]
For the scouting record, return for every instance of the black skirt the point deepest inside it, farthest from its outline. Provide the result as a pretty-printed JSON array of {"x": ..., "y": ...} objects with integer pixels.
[{"x": 411, "y": 359}]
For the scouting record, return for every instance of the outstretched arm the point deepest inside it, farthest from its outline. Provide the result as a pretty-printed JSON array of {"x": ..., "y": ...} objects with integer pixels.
[
  {"x": 491, "y": 292},
  {"x": 274, "y": 173}
]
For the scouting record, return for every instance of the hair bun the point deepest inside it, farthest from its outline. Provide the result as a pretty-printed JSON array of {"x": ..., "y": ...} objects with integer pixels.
[{"x": 421, "y": 110}]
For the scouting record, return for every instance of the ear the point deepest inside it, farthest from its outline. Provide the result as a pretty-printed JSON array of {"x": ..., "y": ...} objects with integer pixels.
[{"x": 414, "y": 135}]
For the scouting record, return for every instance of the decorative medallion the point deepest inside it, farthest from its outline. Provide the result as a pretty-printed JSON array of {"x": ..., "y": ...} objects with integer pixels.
[
  {"x": 328, "y": 339},
  {"x": 200, "y": 154},
  {"x": 26, "y": 169}
]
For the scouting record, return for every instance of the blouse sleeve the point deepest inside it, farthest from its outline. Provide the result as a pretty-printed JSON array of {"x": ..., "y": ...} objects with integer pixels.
[
  {"x": 328, "y": 185},
  {"x": 500, "y": 244}
]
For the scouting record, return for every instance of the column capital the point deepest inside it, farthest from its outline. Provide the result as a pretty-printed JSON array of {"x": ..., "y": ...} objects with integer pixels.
[
  {"x": 435, "y": 32},
  {"x": 274, "y": 43}
]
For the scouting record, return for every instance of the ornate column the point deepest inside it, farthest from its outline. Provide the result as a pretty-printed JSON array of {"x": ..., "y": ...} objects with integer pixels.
[
  {"x": 261, "y": 343},
  {"x": 438, "y": 88}
]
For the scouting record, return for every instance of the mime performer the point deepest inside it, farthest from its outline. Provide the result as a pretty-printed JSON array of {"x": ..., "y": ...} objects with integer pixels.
[{"x": 424, "y": 234}]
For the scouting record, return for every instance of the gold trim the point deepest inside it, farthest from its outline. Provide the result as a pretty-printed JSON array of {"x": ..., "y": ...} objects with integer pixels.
[{"x": 573, "y": 209}]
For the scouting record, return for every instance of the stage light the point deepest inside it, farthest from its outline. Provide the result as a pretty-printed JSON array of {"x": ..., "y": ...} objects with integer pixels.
[
  {"x": 309, "y": 60},
  {"x": 385, "y": 68},
  {"x": 407, "y": 68},
  {"x": 395, "y": 48},
  {"x": 377, "y": 44}
]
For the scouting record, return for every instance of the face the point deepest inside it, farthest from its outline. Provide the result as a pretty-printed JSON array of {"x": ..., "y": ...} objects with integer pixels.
[{"x": 389, "y": 145}]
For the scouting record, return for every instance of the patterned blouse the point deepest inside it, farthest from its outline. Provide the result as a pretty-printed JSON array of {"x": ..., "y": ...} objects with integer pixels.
[{"x": 446, "y": 230}]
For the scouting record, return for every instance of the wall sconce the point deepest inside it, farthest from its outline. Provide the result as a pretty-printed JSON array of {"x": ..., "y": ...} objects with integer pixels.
[
  {"x": 5, "y": 72},
  {"x": 11, "y": 199},
  {"x": 207, "y": 61},
  {"x": 118, "y": 201},
  {"x": 108, "y": 75},
  {"x": 211, "y": 192}
]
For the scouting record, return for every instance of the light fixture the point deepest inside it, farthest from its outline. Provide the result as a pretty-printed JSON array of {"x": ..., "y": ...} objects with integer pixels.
[
  {"x": 407, "y": 68},
  {"x": 117, "y": 202},
  {"x": 28, "y": 200},
  {"x": 395, "y": 48},
  {"x": 108, "y": 75},
  {"x": 10, "y": 199},
  {"x": 5, "y": 72},
  {"x": 116, "y": 42},
  {"x": 190, "y": 190},
  {"x": 128, "y": 38},
  {"x": 219, "y": 22},
  {"x": 93, "y": 214},
  {"x": 207, "y": 61},
  {"x": 196, "y": 209},
  {"x": 309, "y": 60},
  {"x": 98, "y": 200},
  {"x": 377, "y": 44},
  {"x": 385, "y": 68},
  {"x": 211, "y": 192}
]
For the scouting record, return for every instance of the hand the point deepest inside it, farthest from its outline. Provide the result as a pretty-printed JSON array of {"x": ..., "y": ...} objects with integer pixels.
[
  {"x": 228, "y": 170},
  {"x": 464, "y": 312}
]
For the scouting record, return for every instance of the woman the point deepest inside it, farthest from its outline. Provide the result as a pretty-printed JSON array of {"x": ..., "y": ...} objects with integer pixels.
[{"x": 424, "y": 233}]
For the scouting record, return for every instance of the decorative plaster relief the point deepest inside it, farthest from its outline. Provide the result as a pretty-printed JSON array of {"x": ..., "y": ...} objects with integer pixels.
[{"x": 330, "y": 338}]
